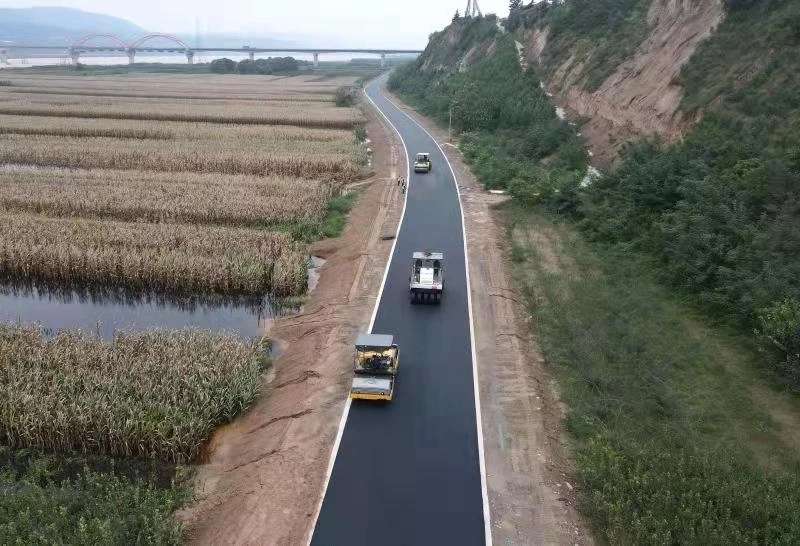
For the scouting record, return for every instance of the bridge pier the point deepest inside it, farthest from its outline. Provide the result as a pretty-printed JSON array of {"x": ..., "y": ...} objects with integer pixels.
[
  {"x": 131, "y": 56},
  {"x": 383, "y": 60},
  {"x": 251, "y": 55},
  {"x": 316, "y": 60},
  {"x": 190, "y": 56}
]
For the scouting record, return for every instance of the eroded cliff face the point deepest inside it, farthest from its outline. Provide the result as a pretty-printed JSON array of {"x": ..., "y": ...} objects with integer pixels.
[
  {"x": 642, "y": 97},
  {"x": 450, "y": 49}
]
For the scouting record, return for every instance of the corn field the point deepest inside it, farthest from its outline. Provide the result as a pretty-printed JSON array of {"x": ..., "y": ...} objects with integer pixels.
[
  {"x": 179, "y": 258},
  {"x": 246, "y": 135},
  {"x": 148, "y": 93},
  {"x": 306, "y": 160},
  {"x": 327, "y": 118},
  {"x": 170, "y": 183},
  {"x": 158, "y": 197},
  {"x": 187, "y": 85},
  {"x": 156, "y": 394}
]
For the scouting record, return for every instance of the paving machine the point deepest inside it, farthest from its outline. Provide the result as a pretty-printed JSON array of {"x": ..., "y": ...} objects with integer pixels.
[
  {"x": 375, "y": 367},
  {"x": 422, "y": 163},
  {"x": 427, "y": 276}
]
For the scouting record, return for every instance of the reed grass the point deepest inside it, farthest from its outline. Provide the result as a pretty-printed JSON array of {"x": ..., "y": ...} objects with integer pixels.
[
  {"x": 156, "y": 394},
  {"x": 140, "y": 256}
]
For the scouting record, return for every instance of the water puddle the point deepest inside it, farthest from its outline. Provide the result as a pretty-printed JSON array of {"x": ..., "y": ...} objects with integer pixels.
[{"x": 104, "y": 313}]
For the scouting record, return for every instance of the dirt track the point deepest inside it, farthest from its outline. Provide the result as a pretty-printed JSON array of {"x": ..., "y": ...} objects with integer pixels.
[
  {"x": 531, "y": 495},
  {"x": 265, "y": 471}
]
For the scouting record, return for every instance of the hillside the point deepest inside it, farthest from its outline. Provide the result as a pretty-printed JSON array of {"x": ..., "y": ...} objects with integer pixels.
[
  {"x": 59, "y": 26},
  {"x": 673, "y": 320}
]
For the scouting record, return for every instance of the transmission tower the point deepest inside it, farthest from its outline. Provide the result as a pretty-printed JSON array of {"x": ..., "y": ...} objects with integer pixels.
[{"x": 473, "y": 10}]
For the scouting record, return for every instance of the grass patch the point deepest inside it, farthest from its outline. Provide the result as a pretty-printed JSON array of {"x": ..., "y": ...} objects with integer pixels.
[
  {"x": 331, "y": 225},
  {"x": 672, "y": 446},
  {"x": 74, "y": 499}
]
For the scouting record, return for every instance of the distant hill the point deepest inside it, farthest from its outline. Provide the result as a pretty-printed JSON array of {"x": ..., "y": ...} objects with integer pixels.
[{"x": 59, "y": 26}]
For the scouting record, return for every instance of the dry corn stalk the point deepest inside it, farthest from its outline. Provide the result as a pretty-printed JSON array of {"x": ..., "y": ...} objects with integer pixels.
[
  {"x": 177, "y": 258},
  {"x": 155, "y": 394}
]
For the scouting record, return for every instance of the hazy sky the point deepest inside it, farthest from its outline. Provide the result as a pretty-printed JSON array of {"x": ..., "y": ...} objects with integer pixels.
[{"x": 350, "y": 23}]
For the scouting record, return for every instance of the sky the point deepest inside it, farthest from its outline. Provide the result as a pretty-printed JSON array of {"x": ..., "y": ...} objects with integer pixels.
[{"x": 344, "y": 23}]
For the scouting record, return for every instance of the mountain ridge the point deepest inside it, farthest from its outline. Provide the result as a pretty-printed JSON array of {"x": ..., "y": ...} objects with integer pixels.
[{"x": 59, "y": 26}]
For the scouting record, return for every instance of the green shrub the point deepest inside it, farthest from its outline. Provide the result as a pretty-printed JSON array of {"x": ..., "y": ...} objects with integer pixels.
[
  {"x": 44, "y": 501},
  {"x": 779, "y": 328},
  {"x": 346, "y": 95},
  {"x": 651, "y": 495}
]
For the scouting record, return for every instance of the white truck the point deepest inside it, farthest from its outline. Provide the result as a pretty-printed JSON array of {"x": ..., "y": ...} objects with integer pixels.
[{"x": 426, "y": 283}]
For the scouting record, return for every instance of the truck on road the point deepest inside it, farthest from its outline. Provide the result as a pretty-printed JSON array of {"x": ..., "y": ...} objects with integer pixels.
[
  {"x": 375, "y": 365},
  {"x": 427, "y": 276},
  {"x": 422, "y": 163}
]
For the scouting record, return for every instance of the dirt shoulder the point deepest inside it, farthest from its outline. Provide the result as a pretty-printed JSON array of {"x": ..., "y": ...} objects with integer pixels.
[
  {"x": 531, "y": 494},
  {"x": 264, "y": 475}
]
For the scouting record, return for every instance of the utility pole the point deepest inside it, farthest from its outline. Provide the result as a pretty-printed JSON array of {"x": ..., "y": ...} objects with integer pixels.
[{"x": 450, "y": 125}]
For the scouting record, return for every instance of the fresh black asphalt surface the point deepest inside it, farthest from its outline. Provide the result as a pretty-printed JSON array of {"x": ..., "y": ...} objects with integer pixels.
[{"x": 407, "y": 472}]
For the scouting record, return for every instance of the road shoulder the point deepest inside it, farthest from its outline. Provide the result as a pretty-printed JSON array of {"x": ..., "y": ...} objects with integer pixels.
[
  {"x": 265, "y": 472},
  {"x": 531, "y": 494}
]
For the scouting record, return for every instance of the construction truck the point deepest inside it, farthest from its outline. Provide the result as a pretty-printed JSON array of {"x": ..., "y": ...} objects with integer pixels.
[
  {"x": 422, "y": 163},
  {"x": 427, "y": 276},
  {"x": 375, "y": 367}
]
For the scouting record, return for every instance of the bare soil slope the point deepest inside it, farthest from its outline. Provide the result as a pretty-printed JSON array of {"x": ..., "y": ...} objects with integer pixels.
[{"x": 642, "y": 97}]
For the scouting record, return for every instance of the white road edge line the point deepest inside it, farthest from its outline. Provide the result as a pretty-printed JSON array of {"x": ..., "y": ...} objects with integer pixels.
[
  {"x": 487, "y": 520},
  {"x": 348, "y": 402}
]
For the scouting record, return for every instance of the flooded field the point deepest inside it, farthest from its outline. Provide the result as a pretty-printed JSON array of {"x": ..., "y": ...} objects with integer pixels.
[{"x": 106, "y": 313}]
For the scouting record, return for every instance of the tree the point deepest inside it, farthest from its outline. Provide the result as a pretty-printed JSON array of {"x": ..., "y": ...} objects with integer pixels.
[
  {"x": 514, "y": 8},
  {"x": 456, "y": 17},
  {"x": 223, "y": 66}
]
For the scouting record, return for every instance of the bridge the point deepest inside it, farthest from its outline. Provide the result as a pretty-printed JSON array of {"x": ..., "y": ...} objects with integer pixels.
[{"x": 114, "y": 44}]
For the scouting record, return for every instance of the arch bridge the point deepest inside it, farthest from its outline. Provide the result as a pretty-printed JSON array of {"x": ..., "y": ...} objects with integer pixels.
[
  {"x": 103, "y": 42},
  {"x": 81, "y": 46}
]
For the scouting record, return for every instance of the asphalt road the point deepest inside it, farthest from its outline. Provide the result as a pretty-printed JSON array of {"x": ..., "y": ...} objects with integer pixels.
[{"x": 407, "y": 472}]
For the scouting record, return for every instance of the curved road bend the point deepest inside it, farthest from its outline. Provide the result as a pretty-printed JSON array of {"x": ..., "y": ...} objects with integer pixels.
[{"x": 407, "y": 472}]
